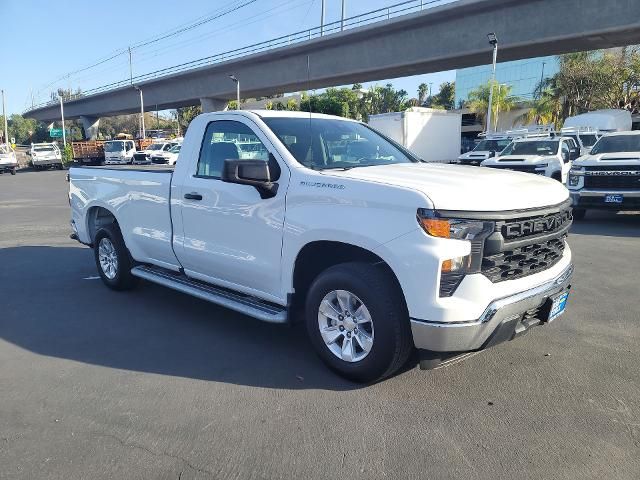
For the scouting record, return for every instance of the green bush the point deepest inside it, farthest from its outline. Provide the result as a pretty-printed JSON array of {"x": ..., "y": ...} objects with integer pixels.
[{"x": 67, "y": 155}]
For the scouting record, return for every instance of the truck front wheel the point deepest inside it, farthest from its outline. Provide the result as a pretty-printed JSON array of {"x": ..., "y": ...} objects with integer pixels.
[
  {"x": 357, "y": 322},
  {"x": 112, "y": 258}
]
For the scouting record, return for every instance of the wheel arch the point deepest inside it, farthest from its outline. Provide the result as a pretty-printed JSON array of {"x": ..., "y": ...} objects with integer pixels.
[
  {"x": 97, "y": 216},
  {"x": 315, "y": 257}
]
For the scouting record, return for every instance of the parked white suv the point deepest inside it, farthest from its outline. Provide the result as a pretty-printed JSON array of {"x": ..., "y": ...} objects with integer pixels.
[
  {"x": 547, "y": 156},
  {"x": 143, "y": 157},
  {"x": 382, "y": 252},
  {"x": 609, "y": 177}
]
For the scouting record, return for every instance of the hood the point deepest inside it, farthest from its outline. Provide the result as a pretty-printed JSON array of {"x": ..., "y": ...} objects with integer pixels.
[
  {"x": 619, "y": 158},
  {"x": 520, "y": 159},
  {"x": 473, "y": 154},
  {"x": 459, "y": 187}
]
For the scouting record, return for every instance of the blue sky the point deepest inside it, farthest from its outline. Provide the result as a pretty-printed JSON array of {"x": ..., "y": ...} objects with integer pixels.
[{"x": 45, "y": 41}]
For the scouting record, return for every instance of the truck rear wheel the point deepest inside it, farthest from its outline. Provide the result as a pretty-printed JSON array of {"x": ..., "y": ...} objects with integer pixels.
[
  {"x": 112, "y": 258},
  {"x": 13, "y": 171},
  {"x": 357, "y": 322}
]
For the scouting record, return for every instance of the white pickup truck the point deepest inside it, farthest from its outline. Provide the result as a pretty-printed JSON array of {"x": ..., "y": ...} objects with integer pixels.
[
  {"x": 609, "y": 177},
  {"x": 382, "y": 252}
]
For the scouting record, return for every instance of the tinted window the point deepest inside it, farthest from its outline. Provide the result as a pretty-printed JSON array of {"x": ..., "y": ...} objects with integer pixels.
[
  {"x": 543, "y": 147},
  {"x": 588, "y": 140},
  {"x": 224, "y": 140},
  {"x": 617, "y": 143},
  {"x": 492, "y": 145},
  {"x": 320, "y": 143}
]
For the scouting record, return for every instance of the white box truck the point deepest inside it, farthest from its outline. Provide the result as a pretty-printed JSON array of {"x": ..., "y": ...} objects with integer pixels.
[{"x": 433, "y": 135}]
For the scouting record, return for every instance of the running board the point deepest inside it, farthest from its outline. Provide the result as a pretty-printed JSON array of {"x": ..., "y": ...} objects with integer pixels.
[{"x": 238, "y": 302}]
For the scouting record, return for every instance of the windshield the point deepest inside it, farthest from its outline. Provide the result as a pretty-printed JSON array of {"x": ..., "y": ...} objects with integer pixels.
[
  {"x": 541, "y": 147},
  {"x": 617, "y": 143},
  {"x": 322, "y": 144},
  {"x": 4, "y": 149},
  {"x": 175, "y": 149},
  {"x": 492, "y": 145},
  {"x": 588, "y": 140},
  {"x": 155, "y": 146},
  {"x": 113, "y": 146},
  {"x": 43, "y": 148}
]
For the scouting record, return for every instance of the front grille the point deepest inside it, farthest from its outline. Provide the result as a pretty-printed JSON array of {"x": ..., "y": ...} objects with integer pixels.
[
  {"x": 140, "y": 157},
  {"x": 517, "y": 168},
  {"x": 522, "y": 261},
  {"x": 525, "y": 245},
  {"x": 615, "y": 177},
  {"x": 159, "y": 160}
]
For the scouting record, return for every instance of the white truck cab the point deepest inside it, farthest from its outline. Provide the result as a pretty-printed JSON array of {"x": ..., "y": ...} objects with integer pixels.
[
  {"x": 8, "y": 160},
  {"x": 609, "y": 177},
  {"x": 490, "y": 146},
  {"x": 584, "y": 137},
  {"x": 45, "y": 155},
  {"x": 542, "y": 155},
  {"x": 119, "y": 152}
]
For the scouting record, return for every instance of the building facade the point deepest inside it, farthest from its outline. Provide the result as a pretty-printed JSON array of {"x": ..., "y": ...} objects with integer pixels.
[{"x": 521, "y": 75}]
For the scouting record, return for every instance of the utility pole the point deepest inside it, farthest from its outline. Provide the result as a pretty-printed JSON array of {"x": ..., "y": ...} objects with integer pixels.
[
  {"x": 130, "y": 68},
  {"x": 64, "y": 134},
  {"x": 542, "y": 75},
  {"x": 342, "y": 17},
  {"x": 4, "y": 116},
  {"x": 144, "y": 135},
  {"x": 157, "y": 118},
  {"x": 322, "y": 20},
  {"x": 233, "y": 77},
  {"x": 493, "y": 40}
]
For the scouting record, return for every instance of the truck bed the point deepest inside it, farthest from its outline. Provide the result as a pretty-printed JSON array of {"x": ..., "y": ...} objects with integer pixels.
[{"x": 140, "y": 198}]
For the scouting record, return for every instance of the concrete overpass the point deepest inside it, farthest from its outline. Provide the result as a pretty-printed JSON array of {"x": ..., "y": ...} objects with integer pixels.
[{"x": 441, "y": 38}]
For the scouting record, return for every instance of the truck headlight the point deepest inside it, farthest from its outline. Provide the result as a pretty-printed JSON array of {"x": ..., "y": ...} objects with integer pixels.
[
  {"x": 458, "y": 229},
  {"x": 574, "y": 177},
  {"x": 453, "y": 270}
]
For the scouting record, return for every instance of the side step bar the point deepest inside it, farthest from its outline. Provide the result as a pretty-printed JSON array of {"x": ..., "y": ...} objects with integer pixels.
[{"x": 238, "y": 302}]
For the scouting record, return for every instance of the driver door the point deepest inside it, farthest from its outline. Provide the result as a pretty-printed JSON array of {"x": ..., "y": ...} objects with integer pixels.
[{"x": 230, "y": 235}]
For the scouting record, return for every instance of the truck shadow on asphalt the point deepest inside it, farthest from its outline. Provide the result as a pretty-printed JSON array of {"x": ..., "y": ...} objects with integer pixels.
[
  {"x": 49, "y": 307},
  {"x": 608, "y": 224}
]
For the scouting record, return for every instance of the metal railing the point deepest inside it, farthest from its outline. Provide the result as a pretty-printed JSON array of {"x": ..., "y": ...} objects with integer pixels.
[{"x": 373, "y": 16}]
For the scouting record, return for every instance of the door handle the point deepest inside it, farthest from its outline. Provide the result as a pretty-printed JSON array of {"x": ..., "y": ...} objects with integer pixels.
[{"x": 193, "y": 196}]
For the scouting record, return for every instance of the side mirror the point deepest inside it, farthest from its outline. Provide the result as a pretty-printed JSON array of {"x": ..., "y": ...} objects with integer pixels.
[
  {"x": 250, "y": 172},
  {"x": 574, "y": 153}
]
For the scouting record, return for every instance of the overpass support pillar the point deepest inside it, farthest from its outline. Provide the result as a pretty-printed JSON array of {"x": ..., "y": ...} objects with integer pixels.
[
  {"x": 90, "y": 125},
  {"x": 212, "y": 105}
]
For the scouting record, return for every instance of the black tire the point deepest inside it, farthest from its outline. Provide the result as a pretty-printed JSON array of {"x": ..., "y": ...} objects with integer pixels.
[
  {"x": 392, "y": 339},
  {"x": 122, "y": 280},
  {"x": 13, "y": 171},
  {"x": 579, "y": 213},
  {"x": 557, "y": 176},
  {"x": 59, "y": 166}
]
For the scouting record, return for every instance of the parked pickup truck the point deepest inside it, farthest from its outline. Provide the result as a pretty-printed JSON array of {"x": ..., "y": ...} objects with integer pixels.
[
  {"x": 380, "y": 252},
  {"x": 609, "y": 177}
]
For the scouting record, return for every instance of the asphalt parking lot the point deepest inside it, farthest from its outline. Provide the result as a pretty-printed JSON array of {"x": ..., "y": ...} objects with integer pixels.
[{"x": 155, "y": 384}]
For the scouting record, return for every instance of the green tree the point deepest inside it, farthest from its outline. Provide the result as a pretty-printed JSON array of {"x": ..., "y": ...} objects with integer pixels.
[
  {"x": 186, "y": 114},
  {"x": 446, "y": 98},
  {"x": 478, "y": 101},
  {"x": 423, "y": 89}
]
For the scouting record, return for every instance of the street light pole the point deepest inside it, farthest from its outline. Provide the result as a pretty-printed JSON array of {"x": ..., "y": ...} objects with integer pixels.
[
  {"x": 233, "y": 77},
  {"x": 4, "y": 116},
  {"x": 342, "y": 17},
  {"x": 64, "y": 134},
  {"x": 144, "y": 135},
  {"x": 130, "y": 68},
  {"x": 322, "y": 19},
  {"x": 493, "y": 40}
]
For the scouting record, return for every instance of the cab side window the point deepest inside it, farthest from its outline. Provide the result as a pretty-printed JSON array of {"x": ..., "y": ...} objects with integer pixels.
[
  {"x": 565, "y": 151},
  {"x": 228, "y": 140}
]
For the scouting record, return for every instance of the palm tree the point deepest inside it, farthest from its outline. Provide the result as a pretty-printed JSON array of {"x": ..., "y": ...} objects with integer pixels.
[
  {"x": 423, "y": 88},
  {"x": 503, "y": 101}
]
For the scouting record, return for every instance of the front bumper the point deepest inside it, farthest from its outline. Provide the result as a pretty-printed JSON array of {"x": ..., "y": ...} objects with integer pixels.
[
  {"x": 5, "y": 167},
  {"x": 502, "y": 320},
  {"x": 595, "y": 199}
]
